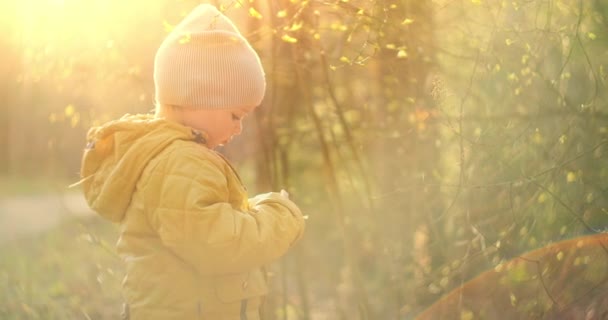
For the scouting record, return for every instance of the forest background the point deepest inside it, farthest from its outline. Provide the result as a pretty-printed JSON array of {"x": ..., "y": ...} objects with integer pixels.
[{"x": 427, "y": 141}]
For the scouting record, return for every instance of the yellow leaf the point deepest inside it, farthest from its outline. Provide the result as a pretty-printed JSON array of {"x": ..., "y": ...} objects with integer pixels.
[
  {"x": 591, "y": 35},
  {"x": 185, "y": 39},
  {"x": 402, "y": 54},
  {"x": 338, "y": 26},
  {"x": 75, "y": 120},
  {"x": 289, "y": 39},
  {"x": 571, "y": 177},
  {"x": 509, "y": 42},
  {"x": 345, "y": 59},
  {"x": 407, "y": 21},
  {"x": 254, "y": 13},
  {"x": 466, "y": 315},
  {"x": 282, "y": 14},
  {"x": 295, "y": 26},
  {"x": 69, "y": 110},
  {"x": 476, "y": 1},
  {"x": 168, "y": 27}
]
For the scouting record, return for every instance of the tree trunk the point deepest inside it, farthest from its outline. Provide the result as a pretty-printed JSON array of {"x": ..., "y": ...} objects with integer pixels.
[{"x": 10, "y": 70}]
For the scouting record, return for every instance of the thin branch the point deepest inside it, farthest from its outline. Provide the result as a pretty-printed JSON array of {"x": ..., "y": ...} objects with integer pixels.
[
  {"x": 580, "y": 42},
  {"x": 563, "y": 204}
]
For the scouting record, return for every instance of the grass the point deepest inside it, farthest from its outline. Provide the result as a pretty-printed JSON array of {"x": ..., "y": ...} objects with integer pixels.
[
  {"x": 68, "y": 272},
  {"x": 11, "y": 185}
]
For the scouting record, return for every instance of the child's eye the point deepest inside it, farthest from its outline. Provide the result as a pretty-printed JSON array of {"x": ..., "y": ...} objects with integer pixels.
[{"x": 235, "y": 117}]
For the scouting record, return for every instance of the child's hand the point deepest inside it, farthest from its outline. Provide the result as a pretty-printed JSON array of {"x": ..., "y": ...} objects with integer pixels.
[{"x": 284, "y": 193}]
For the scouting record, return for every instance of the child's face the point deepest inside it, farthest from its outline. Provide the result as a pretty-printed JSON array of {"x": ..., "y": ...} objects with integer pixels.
[{"x": 221, "y": 125}]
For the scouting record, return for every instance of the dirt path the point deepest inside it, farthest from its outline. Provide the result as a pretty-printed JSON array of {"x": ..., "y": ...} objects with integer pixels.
[{"x": 28, "y": 214}]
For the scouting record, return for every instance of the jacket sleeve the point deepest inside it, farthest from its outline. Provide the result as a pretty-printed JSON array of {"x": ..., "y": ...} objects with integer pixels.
[{"x": 195, "y": 221}]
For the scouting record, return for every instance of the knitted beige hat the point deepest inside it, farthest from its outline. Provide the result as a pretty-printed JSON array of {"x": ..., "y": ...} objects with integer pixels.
[{"x": 205, "y": 63}]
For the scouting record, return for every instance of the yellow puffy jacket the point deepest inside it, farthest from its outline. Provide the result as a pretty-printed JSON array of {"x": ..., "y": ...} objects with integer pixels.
[{"x": 192, "y": 241}]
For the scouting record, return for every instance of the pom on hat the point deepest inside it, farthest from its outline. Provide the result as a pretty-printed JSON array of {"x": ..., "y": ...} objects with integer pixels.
[{"x": 205, "y": 63}]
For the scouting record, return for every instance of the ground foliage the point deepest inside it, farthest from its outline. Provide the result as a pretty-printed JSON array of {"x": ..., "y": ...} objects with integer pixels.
[
  {"x": 70, "y": 272},
  {"x": 428, "y": 141}
]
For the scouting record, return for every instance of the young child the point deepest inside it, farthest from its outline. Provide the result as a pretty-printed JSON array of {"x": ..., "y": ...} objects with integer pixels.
[{"x": 192, "y": 241}]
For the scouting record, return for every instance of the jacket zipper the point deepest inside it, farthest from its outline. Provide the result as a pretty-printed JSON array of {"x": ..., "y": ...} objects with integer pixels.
[{"x": 232, "y": 169}]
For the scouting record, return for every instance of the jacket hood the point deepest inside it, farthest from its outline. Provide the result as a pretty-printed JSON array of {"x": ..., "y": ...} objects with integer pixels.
[{"x": 116, "y": 155}]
